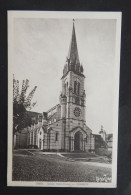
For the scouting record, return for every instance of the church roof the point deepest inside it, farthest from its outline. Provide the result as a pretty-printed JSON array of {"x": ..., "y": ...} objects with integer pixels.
[{"x": 34, "y": 116}]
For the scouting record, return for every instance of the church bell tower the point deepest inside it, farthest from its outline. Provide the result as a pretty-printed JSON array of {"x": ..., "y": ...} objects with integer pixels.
[{"x": 73, "y": 97}]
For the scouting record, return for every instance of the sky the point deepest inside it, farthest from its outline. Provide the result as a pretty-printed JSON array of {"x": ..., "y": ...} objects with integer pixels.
[{"x": 40, "y": 50}]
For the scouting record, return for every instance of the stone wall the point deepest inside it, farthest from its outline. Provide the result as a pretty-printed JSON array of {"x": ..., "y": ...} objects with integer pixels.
[{"x": 21, "y": 139}]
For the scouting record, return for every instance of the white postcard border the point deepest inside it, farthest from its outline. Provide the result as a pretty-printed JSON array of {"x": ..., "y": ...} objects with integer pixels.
[{"x": 76, "y": 15}]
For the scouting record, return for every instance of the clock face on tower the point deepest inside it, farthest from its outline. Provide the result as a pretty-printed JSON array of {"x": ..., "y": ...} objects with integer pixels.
[{"x": 77, "y": 112}]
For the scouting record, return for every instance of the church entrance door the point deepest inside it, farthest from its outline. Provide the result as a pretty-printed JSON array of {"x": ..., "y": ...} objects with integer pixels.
[{"x": 78, "y": 141}]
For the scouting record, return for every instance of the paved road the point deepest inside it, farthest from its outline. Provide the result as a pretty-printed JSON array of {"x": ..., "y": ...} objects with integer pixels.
[{"x": 51, "y": 167}]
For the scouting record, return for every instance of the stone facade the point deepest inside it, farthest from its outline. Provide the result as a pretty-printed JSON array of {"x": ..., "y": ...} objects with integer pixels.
[{"x": 63, "y": 127}]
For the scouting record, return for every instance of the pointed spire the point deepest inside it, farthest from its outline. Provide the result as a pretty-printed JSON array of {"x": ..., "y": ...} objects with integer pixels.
[
  {"x": 72, "y": 61},
  {"x": 73, "y": 51}
]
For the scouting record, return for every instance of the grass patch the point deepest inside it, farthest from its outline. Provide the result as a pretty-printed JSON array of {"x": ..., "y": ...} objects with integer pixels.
[{"x": 52, "y": 168}]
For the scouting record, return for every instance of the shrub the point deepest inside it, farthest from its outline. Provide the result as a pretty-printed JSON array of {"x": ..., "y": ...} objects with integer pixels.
[{"x": 103, "y": 152}]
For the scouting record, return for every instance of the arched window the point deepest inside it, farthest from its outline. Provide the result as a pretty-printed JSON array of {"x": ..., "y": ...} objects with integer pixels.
[
  {"x": 35, "y": 135},
  {"x": 86, "y": 138},
  {"x": 65, "y": 89},
  {"x": 77, "y": 101},
  {"x": 56, "y": 136},
  {"x": 82, "y": 102},
  {"x": 32, "y": 138},
  {"x": 78, "y": 90},
  {"x": 75, "y": 86},
  {"x": 67, "y": 86}
]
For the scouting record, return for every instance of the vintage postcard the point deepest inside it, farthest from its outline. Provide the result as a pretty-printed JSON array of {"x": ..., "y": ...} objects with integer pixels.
[{"x": 63, "y": 81}]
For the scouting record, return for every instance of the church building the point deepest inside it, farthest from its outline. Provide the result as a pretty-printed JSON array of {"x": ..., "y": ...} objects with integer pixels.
[{"x": 63, "y": 127}]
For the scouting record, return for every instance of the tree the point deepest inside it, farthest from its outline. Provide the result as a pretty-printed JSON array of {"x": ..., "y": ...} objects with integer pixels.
[{"x": 22, "y": 103}]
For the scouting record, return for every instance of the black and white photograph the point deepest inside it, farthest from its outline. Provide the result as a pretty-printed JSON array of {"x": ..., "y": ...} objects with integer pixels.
[{"x": 63, "y": 98}]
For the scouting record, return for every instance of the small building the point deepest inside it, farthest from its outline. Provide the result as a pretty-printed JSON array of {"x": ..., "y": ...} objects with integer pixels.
[{"x": 103, "y": 140}]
